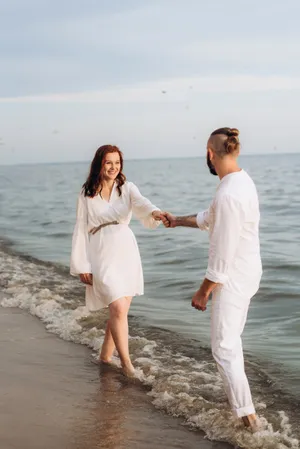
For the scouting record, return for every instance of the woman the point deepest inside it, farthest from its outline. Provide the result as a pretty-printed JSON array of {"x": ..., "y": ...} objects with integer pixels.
[{"x": 104, "y": 250}]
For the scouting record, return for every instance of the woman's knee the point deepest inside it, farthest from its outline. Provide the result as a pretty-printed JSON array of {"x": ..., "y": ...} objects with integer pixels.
[
  {"x": 107, "y": 329},
  {"x": 118, "y": 308}
]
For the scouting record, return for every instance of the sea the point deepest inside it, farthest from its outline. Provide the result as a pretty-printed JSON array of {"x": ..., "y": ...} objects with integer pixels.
[{"x": 169, "y": 340}]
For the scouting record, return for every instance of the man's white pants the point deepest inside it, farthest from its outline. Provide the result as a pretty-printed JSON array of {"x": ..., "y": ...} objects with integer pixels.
[{"x": 229, "y": 314}]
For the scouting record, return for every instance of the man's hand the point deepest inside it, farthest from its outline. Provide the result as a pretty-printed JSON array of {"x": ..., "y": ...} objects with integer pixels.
[
  {"x": 200, "y": 300},
  {"x": 169, "y": 220},
  {"x": 86, "y": 278},
  {"x": 202, "y": 295}
]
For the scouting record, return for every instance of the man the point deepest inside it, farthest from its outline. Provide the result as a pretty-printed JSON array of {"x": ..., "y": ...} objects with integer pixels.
[{"x": 234, "y": 267}]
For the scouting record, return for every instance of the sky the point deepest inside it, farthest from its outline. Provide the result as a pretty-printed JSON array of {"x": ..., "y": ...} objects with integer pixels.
[{"x": 153, "y": 77}]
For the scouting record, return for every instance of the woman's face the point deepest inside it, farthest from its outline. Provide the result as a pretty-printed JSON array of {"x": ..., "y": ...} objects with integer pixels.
[{"x": 111, "y": 166}]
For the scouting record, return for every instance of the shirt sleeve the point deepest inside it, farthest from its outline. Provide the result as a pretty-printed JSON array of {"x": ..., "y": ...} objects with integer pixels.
[
  {"x": 203, "y": 220},
  {"x": 80, "y": 262},
  {"x": 142, "y": 208},
  {"x": 224, "y": 238}
]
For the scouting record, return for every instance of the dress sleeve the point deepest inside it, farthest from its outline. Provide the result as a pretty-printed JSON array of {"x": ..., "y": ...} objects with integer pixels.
[
  {"x": 224, "y": 238},
  {"x": 203, "y": 220},
  {"x": 142, "y": 208},
  {"x": 80, "y": 262}
]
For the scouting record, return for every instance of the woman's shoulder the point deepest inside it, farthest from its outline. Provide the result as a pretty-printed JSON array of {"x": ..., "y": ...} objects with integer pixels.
[
  {"x": 131, "y": 187},
  {"x": 81, "y": 193},
  {"x": 128, "y": 185},
  {"x": 83, "y": 197}
]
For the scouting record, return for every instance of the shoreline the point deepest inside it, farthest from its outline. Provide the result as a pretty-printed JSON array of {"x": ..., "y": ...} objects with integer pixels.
[{"x": 54, "y": 396}]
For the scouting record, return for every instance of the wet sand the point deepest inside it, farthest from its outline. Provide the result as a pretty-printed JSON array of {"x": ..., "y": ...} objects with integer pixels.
[{"x": 53, "y": 396}]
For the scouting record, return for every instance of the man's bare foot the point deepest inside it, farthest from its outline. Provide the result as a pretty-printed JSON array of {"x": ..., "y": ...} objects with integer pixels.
[
  {"x": 251, "y": 421},
  {"x": 128, "y": 369}
]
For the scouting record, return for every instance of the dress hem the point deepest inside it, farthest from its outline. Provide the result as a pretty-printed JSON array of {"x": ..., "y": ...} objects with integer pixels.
[{"x": 113, "y": 300}]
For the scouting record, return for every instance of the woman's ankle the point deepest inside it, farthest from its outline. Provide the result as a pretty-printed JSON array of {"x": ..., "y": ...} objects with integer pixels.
[
  {"x": 126, "y": 362},
  {"x": 105, "y": 355},
  {"x": 105, "y": 359},
  {"x": 128, "y": 369}
]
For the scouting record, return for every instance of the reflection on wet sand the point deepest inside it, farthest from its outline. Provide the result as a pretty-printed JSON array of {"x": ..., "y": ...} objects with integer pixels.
[
  {"x": 52, "y": 396},
  {"x": 121, "y": 416},
  {"x": 110, "y": 411}
]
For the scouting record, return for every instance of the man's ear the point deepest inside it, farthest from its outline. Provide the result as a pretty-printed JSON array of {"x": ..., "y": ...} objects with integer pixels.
[{"x": 210, "y": 153}]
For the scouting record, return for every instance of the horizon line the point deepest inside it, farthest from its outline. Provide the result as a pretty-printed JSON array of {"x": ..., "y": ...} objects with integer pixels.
[{"x": 274, "y": 153}]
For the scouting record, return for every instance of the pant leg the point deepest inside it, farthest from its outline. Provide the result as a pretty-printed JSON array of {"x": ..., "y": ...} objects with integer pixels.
[{"x": 229, "y": 315}]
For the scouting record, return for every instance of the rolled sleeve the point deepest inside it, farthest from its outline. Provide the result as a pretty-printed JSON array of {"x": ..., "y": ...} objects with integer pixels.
[
  {"x": 203, "y": 220},
  {"x": 224, "y": 238},
  {"x": 215, "y": 276}
]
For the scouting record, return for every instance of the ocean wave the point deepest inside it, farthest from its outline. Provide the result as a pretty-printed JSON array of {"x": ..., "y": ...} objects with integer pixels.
[{"x": 181, "y": 382}]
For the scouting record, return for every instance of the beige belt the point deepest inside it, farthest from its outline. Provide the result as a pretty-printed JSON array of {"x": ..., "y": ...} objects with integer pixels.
[{"x": 94, "y": 230}]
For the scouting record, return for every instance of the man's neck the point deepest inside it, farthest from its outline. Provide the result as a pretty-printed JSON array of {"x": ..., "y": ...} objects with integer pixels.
[{"x": 227, "y": 169}]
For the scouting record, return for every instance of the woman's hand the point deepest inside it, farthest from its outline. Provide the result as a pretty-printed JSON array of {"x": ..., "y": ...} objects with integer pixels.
[
  {"x": 169, "y": 220},
  {"x": 157, "y": 215},
  {"x": 86, "y": 278}
]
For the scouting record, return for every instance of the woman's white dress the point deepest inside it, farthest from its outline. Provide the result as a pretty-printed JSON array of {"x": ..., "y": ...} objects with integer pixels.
[{"x": 112, "y": 253}]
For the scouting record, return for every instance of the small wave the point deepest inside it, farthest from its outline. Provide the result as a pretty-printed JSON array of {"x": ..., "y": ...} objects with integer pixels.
[
  {"x": 178, "y": 284},
  {"x": 46, "y": 223},
  {"x": 51, "y": 223},
  {"x": 181, "y": 385},
  {"x": 288, "y": 267},
  {"x": 60, "y": 235},
  {"x": 268, "y": 294}
]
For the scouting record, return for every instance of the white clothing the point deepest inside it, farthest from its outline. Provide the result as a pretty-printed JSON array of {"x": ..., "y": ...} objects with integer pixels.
[
  {"x": 112, "y": 253},
  {"x": 234, "y": 262},
  {"x": 228, "y": 318},
  {"x": 233, "y": 224}
]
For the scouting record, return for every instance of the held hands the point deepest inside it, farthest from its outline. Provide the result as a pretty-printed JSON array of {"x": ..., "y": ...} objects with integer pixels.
[
  {"x": 86, "y": 278},
  {"x": 168, "y": 220}
]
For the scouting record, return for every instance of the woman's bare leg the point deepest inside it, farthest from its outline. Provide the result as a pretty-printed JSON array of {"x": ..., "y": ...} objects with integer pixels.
[
  {"x": 108, "y": 346},
  {"x": 118, "y": 311}
]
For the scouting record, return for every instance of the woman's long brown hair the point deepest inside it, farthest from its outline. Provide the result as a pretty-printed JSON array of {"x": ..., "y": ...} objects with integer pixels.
[{"x": 95, "y": 177}]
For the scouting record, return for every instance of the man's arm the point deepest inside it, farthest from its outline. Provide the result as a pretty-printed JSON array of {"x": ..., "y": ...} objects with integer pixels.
[
  {"x": 207, "y": 287},
  {"x": 189, "y": 221},
  {"x": 223, "y": 245},
  {"x": 199, "y": 220},
  {"x": 224, "y": 238}
]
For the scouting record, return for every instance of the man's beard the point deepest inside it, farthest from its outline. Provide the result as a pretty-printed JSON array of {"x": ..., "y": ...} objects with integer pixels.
[{"x": 210, "y": 166}]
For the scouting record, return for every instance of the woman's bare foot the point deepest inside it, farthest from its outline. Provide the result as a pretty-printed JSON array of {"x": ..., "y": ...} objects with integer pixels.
[
  {"x": 99, "y": 361},
  {"x": 251, "y": 421},
  {"x": 105, "y": 361},
  {"x": 128, "y": 369}
]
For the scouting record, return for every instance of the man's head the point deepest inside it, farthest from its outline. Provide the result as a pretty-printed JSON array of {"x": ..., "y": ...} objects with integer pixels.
[{"x": 222, "y": 144}]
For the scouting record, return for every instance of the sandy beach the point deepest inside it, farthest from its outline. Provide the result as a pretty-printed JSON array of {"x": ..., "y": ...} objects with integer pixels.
[{"x": 54, "y": 396}]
